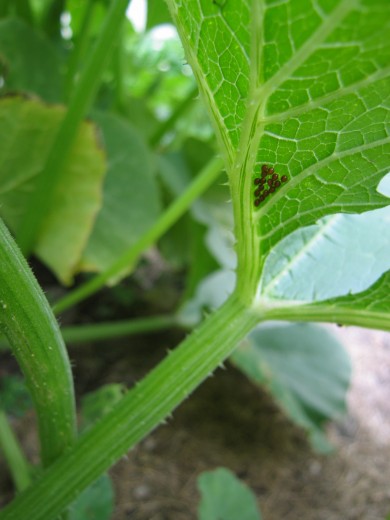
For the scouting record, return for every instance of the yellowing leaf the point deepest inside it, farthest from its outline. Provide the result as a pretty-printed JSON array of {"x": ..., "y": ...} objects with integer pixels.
[{"x": 27, "y": 130}]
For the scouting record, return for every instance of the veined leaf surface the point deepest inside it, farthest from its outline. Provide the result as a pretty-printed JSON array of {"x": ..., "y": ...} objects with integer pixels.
[{"x": 302, "y": 86}]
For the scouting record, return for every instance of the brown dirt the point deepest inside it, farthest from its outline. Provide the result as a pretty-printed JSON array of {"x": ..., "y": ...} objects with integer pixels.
[{"x": 227, "y": 422}]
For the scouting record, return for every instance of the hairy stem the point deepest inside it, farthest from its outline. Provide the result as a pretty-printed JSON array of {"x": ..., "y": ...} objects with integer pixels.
[
  {"x": 138, "y": 413},
  {"x": 32, "y": 331}
]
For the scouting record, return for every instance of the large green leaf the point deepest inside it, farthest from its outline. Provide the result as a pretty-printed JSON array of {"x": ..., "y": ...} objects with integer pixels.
[
  {"x": 224, "y": 497},
  {"x": 131, "y": 200},
  {"x": 28, "y": 61},
  {"x": 301, "y": 85},
  {"x": 27, "y": 129},
  {"x": 306, "y": 370}
]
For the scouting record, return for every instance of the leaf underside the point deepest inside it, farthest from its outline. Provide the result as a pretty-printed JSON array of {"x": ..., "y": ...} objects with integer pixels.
[{"x": 303, "y": 86}]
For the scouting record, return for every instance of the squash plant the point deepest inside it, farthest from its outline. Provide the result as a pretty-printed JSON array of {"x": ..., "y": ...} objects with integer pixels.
[{"x": 298, "y": 94}]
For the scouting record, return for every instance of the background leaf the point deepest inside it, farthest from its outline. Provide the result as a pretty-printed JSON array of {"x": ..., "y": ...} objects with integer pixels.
[
  {"x": 96, "y": 404},
  {"x": 341, "y": 254},
  {"x": 157, "y": 14},
  {"x": 305, "y": 369},
  {"x": 224, "y": 497},
  {"x": 209, "y": 295},
  {"x": 131, "y": 199},
  {"x": 14, "y": 395},
  {"x": 27, "y": 129},
  {"x": 29, "y": 62},
  {"x": 94, "y": 503}
]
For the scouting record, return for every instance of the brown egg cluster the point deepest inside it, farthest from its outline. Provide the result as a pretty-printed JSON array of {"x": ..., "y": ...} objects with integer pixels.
[{"x": 268, "y": 183}]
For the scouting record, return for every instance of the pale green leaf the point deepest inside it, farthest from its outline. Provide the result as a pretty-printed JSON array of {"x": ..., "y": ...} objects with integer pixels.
[
  {"x": 131, "y": 201},
  {"x": 224, "y": 497},
  {"x": 341, "y": 254},
  {"x": 27, "y": 130},
  {"x": 212, "y": 209},
  {"x": 370, "y": 308},
  {"x": 306, "y": 370},
  {"x": 209, "y": 295}
]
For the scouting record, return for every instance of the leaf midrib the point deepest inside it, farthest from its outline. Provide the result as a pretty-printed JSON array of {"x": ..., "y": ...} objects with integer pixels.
[{"x": 253, "y": 129}]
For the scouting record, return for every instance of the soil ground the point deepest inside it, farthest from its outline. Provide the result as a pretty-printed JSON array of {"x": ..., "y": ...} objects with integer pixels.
[{"x": 228, "y": 422}]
